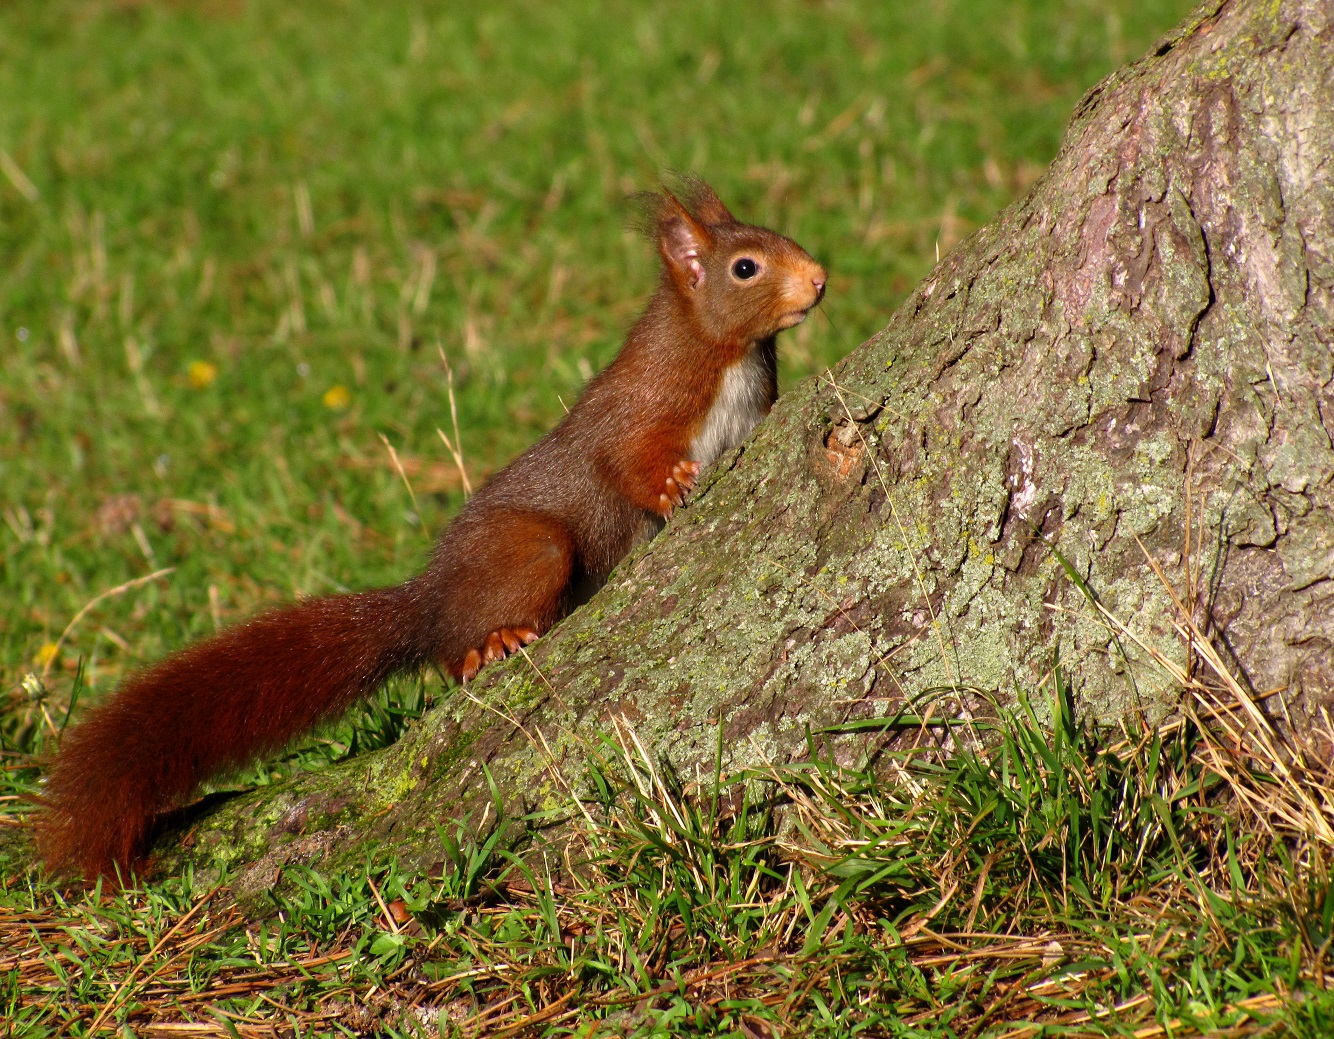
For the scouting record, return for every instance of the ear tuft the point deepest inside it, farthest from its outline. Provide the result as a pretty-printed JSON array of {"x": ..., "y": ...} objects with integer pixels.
[{"x": 703, "y": 201}]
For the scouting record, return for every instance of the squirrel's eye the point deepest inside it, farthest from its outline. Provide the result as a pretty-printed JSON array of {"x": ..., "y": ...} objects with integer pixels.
[{"x": 745, "y": 268}]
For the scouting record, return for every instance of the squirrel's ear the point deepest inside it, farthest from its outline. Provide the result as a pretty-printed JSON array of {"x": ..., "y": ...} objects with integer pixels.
[
  {"x": 682, "y": 240},
  {"x": 705, "y": 203}
]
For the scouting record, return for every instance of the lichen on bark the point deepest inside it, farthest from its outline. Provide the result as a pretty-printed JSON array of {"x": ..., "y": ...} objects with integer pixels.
[{"x": 1145, "y": 337}]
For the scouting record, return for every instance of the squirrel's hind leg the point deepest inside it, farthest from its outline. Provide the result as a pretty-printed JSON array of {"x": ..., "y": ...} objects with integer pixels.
[{"x": 526, "y": 574}]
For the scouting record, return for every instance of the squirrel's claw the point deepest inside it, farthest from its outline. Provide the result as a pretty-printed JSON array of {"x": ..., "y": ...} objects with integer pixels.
[
  {"x": 677, "y": 486},
  {"x": 686, "y": 473},
  {"x": 497, "y": 646},
  {"x": 472, "y": 663}
]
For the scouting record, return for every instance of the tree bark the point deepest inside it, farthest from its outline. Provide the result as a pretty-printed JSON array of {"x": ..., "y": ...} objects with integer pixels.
[{"x": 1132, "y": 362}]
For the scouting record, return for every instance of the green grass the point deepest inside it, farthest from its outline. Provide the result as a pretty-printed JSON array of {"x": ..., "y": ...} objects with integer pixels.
[{"x": 305, "y": 199}]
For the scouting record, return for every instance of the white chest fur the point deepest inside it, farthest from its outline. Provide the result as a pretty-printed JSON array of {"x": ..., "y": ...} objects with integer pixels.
[{"x": 745, "y": 396}]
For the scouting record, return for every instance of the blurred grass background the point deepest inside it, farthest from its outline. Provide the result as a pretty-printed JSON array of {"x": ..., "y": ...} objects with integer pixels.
[{"x": 233, "y": 233}]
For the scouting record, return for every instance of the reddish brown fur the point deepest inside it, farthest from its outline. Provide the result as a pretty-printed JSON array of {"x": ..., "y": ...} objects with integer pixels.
[
  {"x": 541, "y": 534},
  {"x": 146, "y": 748}
]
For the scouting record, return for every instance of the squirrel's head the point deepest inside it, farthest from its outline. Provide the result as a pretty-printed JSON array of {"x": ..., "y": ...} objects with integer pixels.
[{"x": 742, "y": 282}]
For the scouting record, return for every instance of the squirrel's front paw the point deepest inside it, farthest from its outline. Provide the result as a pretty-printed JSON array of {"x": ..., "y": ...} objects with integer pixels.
[{"x": 678, "y": 485}]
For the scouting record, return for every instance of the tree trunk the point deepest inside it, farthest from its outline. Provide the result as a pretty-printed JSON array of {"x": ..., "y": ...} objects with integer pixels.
[{"x": 1131, "y": 363}]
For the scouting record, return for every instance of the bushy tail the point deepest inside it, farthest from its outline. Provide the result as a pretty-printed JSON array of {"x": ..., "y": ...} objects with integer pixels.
[{"x": 211, "y": 708}]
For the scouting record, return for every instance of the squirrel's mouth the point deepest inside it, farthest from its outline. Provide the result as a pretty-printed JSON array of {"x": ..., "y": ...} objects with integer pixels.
[
  {"x": 798, "y": 315},
  {"x": 795, "y": 317}
]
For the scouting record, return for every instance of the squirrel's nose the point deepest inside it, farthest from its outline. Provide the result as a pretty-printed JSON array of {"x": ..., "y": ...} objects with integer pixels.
[{"x": 818, "y": 281}]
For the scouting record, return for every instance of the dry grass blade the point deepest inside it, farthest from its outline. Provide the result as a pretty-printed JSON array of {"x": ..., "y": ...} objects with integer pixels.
[
  {"x": 454, "y": 446},
  {"x": 14, "y": 172},
  {"x": 393, "y": 455},
  {"x": 1296, "y": 794},
  {"x": 120, "y": 589}
]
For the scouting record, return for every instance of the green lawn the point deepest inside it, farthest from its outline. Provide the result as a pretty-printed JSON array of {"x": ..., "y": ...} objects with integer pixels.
[{"x": 223, "y": 211}]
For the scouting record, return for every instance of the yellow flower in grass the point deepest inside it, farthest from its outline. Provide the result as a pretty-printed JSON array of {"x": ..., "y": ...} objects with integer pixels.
[
  {"x": 201, "y": 373},
  {"x": 336, "y": 398},
  {"x": 46, "y": 654}
]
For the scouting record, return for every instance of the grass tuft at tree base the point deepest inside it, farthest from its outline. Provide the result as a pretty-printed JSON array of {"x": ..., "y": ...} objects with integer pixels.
[{"x": 1029, "y": 879}]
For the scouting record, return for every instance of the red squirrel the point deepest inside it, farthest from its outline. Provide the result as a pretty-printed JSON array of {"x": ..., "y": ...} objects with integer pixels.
[{"x": 697, "y": 372}]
